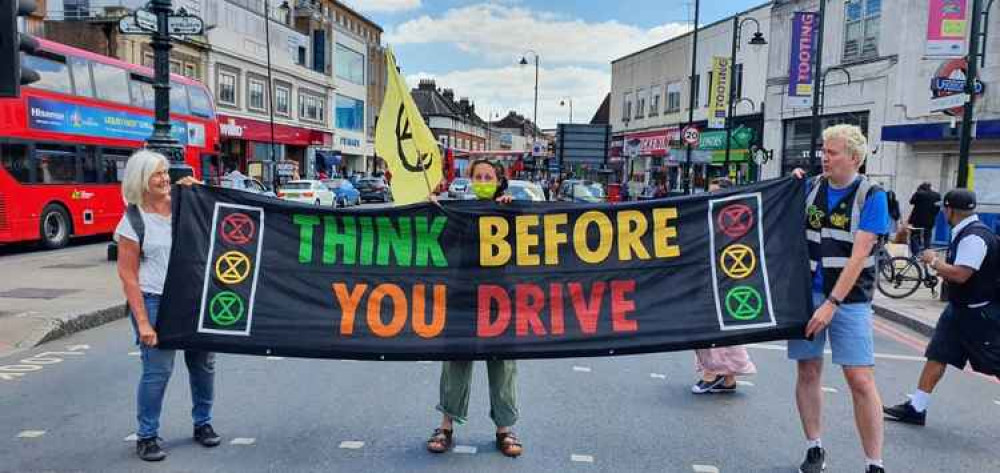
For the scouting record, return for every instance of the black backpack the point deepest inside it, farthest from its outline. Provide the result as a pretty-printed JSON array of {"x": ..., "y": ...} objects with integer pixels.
[
  {"x": 894, "y": 213},
  {"x": 135, "y": 219}
]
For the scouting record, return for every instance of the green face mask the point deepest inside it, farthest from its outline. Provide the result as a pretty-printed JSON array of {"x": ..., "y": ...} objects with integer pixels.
[{"x": 484, "y": 190}]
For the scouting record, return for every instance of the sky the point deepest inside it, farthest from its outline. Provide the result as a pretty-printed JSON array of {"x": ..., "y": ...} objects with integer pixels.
[{"x": 474, "y": 46}]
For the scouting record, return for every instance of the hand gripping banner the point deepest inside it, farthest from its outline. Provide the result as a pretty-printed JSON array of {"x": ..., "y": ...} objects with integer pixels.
[{"x": 480, "y": 280}]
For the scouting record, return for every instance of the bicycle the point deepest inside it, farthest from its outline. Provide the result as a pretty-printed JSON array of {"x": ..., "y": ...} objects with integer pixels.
[{"x": 901, "y": 276}]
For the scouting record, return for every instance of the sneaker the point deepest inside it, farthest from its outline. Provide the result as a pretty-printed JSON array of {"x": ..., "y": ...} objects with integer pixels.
[
  {"x": 874, "y": 469},
  {"x": 906, "y": 414},
  {"x": 149, "y": 449},
  {"x": 815, "y": 461},
  {"x": 205, "y": 435},
  {"x": 702, "y": 386},
  {"x": 722, "y": 388}
]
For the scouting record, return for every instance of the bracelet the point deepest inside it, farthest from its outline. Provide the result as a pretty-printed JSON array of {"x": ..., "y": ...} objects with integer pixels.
[{"x": 833, "y": 300}]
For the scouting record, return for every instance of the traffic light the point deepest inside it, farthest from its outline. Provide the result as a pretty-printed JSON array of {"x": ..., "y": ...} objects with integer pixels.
[{"x": 12, "y": 44}]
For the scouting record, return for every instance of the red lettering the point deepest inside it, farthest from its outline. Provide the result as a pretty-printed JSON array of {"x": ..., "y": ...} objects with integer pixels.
[
  {"x": 586, "y": 313},
  {"x": 486, "y": 327},
  {"x": 529, "y": 301},
  {"x": 556, "y": 310},
  {"x": 620, "y": 306}
]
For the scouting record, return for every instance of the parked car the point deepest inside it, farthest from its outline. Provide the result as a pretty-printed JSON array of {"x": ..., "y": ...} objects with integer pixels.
[
  {"x": 307, "y": 191},
  {"x": 459, "y": 187},
  {"x": 244, "y": 183},
  {"x": 579, "y": 190},
  {"x": 345, "y": 193},
  {"x": 524, "y": 190},
  {"x": 374, "y": 188}
]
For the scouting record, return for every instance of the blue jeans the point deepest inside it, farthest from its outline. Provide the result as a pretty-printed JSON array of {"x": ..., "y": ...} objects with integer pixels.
[{"x": 157, "y": 365}]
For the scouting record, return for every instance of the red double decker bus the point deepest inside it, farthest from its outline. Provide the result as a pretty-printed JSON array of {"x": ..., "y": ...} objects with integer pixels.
[{"x": 65, "y": 141}]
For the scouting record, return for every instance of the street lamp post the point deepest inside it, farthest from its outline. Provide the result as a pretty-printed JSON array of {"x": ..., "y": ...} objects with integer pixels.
[
  {"x": 534, "y": 118},
  {"x": 691, "y": 94},
  {"x": 971, "y": 77},
  {"x": 161, "y": 140},
  {"x": 814, "y": 121},
  {"x": 284, "y": 7},
  {"x": 756, "y": 41},
  {"x": 563, "y": 102}
]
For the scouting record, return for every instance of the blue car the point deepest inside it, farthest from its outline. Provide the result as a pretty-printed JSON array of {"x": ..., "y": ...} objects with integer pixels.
[{"x": 345, "y": 194}]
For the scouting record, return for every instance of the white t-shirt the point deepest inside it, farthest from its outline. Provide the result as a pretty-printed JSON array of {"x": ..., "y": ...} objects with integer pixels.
[
  {"x": 156, "y": 247},
  {"x": 971, "y": 250}
]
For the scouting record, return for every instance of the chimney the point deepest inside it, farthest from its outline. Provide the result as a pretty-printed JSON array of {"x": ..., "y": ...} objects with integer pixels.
[
  {"x": 463, "y": 103},
  {"x": 448, "y": 94},
  {"x": 427, "y": 84}
]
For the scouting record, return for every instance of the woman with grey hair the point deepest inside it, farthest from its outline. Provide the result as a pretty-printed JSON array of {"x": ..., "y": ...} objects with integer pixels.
[{"x": 144, "y": 239}]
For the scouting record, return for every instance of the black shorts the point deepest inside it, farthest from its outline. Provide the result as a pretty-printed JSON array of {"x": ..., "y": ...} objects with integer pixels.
[{"x": 967, "y": 336}]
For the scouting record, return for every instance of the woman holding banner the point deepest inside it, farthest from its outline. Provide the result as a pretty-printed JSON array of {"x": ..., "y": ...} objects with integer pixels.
[
  {"x": 719, "y": 367},
  {"x": 144, "y": 240},
  {"x": 456, "y": 376}
]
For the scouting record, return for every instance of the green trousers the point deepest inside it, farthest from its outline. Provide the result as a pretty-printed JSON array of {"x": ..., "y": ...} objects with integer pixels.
[{"x": 456, "y": 383}]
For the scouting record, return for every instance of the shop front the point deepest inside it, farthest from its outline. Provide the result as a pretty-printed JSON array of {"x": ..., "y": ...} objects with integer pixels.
[
  {"x": 647, "y": 158},
  {"x": 247, "y": 147},
  {"x": 795, "y": 148}
]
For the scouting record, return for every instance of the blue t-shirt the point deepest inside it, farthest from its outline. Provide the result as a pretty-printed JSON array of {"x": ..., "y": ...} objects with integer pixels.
[{"x": 874, "y": 217}]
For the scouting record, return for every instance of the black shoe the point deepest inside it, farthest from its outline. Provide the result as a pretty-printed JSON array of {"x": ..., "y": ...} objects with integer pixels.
[
  {"x": 205, "y": 435},
  {"x": 702, "y": 386},
  {"x": 149, "y": 449},
  {"x": 815, "y": 461},
  {"x": 874, "y": 469},
  {"x": 906, "y": 414},
  {"x": 722, "y": 388}
]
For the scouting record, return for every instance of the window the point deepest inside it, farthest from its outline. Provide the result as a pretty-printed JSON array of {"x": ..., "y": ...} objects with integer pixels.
[
  {"x": 283, "y": 99},
  {"x": 112, "y": 164},
  {"x": 148, "y": 60},
  {"x": 16, "y": 161},
  {"x": 627, "y": 107},
  {"x": 143, "y": 95},
  {"x": 861, "y": 29},
  {"x": 227, "y": 87},
  {"x": 654, "y": 102},
  {"x": 111, "y": 83},
  {"x": 179, "y": 99},
  {"x": 350, "y": 65},
  {"x": 81, "y": 77},
  {"x": 88, "y": 164},
  {"x": 175, "y": 67},
  {"x": 201, "y": 104},
  {"x": 312, "y": 107},
  {"x": 696, "y": 93},
  {"x": 301, "y": 59},
  {"x": 191, "y": 70},
  {"x": 256, "y": 99},
  {"x": 708, "y": 89},
  {"x": 640, "y": 104},
  {"x": 56, "y": 164},
  {"x": 673, "y": 97},
  {"x": 350, "y": 114},
  {"x": 738, "y": 77},
  {"x": 53, "y": 71}
]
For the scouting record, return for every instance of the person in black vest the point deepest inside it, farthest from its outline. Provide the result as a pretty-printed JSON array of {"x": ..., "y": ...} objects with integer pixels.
[
  {"x": 969, "y": 328},
  {"x": 846, "y": 214}
]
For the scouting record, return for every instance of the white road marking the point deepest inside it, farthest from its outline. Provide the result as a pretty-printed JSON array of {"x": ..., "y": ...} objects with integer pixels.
[
  {"x": 705, "y": 469},
  {"x": 243, "y": 441},
  {"x": 465, "y": 449},
  {"x": 743, "y": 383},
  {"x": 78, "y": 347},
  {"x": 134, "y": 353},
  {"x": 581, "y": 369},
  {"x": 884, "y": 356},
  {"x": 275, "y": 358},
  {"x": 132, "y": 438},
  {"x": 581, "y": 458},
  {"x": 352, "y": 444},
  {"x": 424, "y": 362},
  {"x": 657, "y": 376},
  {"x": 997, "y": 402},
  {"x": 828, "y": 389},
  {"x": 30, "y": 434},
  {"x": 37, "y": 361}
]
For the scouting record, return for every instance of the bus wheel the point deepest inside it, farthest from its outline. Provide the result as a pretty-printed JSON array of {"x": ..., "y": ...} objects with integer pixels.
[{"x": 55, "y": 229}]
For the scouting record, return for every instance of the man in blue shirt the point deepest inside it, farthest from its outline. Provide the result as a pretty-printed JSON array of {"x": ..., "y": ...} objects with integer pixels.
[{"x": 846, "y": 214}]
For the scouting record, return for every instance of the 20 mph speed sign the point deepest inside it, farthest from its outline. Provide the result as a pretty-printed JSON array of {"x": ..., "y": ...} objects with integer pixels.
[{"x": 690, "y": 135}]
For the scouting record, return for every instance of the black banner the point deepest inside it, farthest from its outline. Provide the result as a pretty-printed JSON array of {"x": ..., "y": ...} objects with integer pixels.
[{"x": 480, "y": 280}]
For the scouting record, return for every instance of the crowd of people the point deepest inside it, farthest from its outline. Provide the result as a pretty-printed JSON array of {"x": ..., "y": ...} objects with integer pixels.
[{"x": 846, "y": 216}]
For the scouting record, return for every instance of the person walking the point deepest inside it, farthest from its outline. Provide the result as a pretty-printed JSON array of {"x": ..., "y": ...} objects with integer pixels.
[
  {"x": 925, "y": 204},
  {"x": 846, "y": 214},
  {"x": 144, "y": 240},
  {"x": 969, "y": 329},
  {"x": 719, "y": 367},
  {"x": 456, "y": 376}
]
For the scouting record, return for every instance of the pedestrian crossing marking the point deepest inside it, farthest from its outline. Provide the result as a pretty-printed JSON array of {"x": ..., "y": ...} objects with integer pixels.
[
  {"x": 30, "y": 434},
  {"x": 581, "y": 458},
  {"x": 352, "y": 445},
  {"x": 243, "y": 441},
  {"x": 705, "y": 469}
]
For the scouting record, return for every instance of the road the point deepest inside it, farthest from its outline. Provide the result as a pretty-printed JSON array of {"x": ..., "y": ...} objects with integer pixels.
[{"x": 72, "y": 409}]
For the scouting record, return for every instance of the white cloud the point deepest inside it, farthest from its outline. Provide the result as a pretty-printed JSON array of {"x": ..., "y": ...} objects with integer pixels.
[
  {"x": 499, "y": 90},
  {"x": 385, "y": 6},
  {"x": 503, "y": 32}
]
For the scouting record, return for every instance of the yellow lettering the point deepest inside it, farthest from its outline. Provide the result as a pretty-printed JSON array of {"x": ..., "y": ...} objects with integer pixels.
[
  {"x": 663, "y": 232},
  {"x": 554, "y": 237},
  {"x": 526, "y": 241},
  {"x": 493, "y": 247},
  {"x": 605, "y": 237},
  {"x": 632, "y": 225}
]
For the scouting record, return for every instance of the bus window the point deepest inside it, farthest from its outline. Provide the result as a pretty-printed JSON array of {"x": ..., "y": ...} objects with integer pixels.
[
  {"x": 56, "y": 164},
  {"x": 88, "y": 158},
  {"x": 16, "y": 162},
  {"x": 111, "y": 83},
  {"x": 113, "y": 164},
  {"x": 81, "y": 77},
  {"x": 53, "y": 71},
  {"x": 179, "y": 99},
  {"x": 201, "y": 105},
  {"x": 143, "y": 95}
]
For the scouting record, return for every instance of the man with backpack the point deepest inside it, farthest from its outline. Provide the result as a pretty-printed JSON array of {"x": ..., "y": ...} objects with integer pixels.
[{"x": 969, "y": 329}]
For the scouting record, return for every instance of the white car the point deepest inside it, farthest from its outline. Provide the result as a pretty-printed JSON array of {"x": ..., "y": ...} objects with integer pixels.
[
  {"x": 244, "y": 183},
  {"x": 526, "y": 191},
  {"x": 459, "y": 187},
  {"x": 307, "y": 191}
]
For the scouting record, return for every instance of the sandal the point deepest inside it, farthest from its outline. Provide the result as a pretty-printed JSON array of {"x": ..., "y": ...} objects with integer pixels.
[
  {"x": 440, "y": 441},
  {"x": 509, "y": 445}
]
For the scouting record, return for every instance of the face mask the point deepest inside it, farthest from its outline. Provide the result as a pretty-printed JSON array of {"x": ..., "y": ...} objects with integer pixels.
[{"x": 484, "y": 190}]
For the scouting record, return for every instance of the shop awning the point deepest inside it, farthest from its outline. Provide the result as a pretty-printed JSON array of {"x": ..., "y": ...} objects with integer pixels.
[{"x": 985, "y": 129}]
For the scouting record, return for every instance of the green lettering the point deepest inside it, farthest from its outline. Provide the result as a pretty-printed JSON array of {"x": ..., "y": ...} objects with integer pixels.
[
  {"x": 346, "y": 240},
  {"x": 367, "y": 240},
  {"x": 390, "y": 240},
  {"x": 429, "y": 241},
  {"x": 306, "y": 224}
]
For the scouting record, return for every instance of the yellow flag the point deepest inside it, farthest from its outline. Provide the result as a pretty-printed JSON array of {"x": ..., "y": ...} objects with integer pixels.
[{"x": 403, "y": 140}]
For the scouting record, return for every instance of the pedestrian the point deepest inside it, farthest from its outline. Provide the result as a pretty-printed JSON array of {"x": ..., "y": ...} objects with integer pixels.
[
  {"x": 456, "y": 376},
  {"x": 144, "y": 241},
  {"x": 925, "y": 204},
  {"x": 719, "y": 367},
  {"x": 846, "y": 214},
  {"x": 968, "y": 331}
]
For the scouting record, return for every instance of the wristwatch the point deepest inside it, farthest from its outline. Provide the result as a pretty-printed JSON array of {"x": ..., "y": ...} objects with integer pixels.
[{"x": 833, "y": 300}]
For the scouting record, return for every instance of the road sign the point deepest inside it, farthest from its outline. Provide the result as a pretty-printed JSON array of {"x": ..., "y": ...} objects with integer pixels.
[
  {"x": 146, "y": 19},
  {"x": 185, "y": 25},
  {"x": 127, "y": 25},
  {"x": 536, "y": 149},
  {"x": 691, "y": 135},
  {"x": 955, "y": 85},
  {"x": 948, "y": 102}
]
